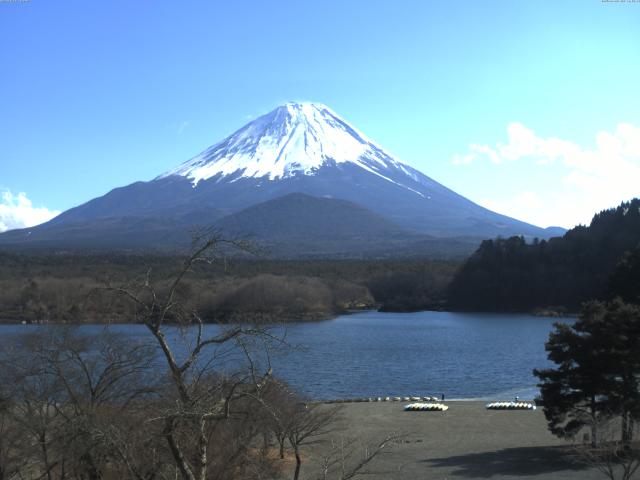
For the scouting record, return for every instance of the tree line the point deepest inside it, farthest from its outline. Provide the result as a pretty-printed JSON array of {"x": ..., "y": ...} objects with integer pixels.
[
  {"x": 513, "y": 274},
  {"x": 55, "y": 288}
]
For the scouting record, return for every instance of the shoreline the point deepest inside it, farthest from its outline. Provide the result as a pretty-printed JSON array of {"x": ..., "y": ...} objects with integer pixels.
[
  {"x": 483, "y": 400},
  {"x": 310, "y": 318}
]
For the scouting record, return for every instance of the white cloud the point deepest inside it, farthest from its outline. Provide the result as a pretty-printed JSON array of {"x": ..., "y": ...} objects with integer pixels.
[
  {"x": 530, "y": 207},
  {"x": 17, "y": 211},
  {"x": 590, "y": 179},
  {"x": 524, "y": 143},
  {"x": 477, "y": 151}
]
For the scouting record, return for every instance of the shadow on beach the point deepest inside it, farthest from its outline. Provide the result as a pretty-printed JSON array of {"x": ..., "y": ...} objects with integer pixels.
[{"x": 519, "y": 462}]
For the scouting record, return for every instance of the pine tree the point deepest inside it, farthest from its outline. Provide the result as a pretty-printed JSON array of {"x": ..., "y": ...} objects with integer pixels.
[
  {"x": 598, "y": 371},
  {"x": 574, "y": 393},
  {"x": 617, "y": 333}
]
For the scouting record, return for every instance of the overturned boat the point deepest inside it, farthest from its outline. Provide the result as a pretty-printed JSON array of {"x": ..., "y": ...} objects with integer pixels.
[
  {"x": 511, "y": 406},
  {"x": 426, "y": 407}
]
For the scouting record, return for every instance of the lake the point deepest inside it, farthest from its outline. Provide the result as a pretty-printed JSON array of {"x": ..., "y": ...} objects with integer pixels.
[{"x": 371, "y": 354}]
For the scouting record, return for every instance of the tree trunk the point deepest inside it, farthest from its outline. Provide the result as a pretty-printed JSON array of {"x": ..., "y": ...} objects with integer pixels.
[
  {"x": 202, "y": 449},
  {"x": 266, "y": 442},
  {"x": 43, "y": 446},
  {"x": 594, "y": 423},
  {"x": 178, "y": 457},
  {"x": 92, "y": 470},
  {"x": 296, "y": 474},
  {"x": 627, "y": 428}
]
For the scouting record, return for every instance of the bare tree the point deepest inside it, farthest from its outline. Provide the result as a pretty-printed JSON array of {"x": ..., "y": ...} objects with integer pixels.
[
  {"x": 306, "y": 424},
  {"x": 73, "y": 394},
  {"x": 291, "y": 419},
  {"x": 280, "y": 404},
  {"x": 202, "y": 396},
  {"x": 11, "y": 460},
  {"x": 615, "y": 458},
  {"x": 192, "y": 403},
  {"x": 348, "y": 458},
  {"x": 33, "y": 412}
]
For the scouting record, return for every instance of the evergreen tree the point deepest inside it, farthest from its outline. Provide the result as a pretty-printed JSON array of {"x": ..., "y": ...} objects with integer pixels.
[
  {"x": 598, "y": 368},
  {"x": 617, "y": 335},
  {"x": 625, "y": 280},
  {"x": 574, "y": 393}
]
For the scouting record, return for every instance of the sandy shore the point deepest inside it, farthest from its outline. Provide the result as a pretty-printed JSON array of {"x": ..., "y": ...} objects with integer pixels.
[{"x": 467, "y": 441}]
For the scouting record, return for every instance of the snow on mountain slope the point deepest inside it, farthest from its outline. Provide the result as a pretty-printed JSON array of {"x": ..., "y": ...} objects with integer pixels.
[
  {"x": 298, "y": 148},
  {"x": 294, "y": 139}
]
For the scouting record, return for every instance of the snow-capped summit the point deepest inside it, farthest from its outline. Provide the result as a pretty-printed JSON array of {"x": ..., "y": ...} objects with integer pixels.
[
  {"x": 299, "y": 177},
  {"x": 294, "y": 139}
]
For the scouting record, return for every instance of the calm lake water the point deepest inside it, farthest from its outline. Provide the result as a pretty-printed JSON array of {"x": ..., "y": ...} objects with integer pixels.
[{"x": 371, "y": 354}]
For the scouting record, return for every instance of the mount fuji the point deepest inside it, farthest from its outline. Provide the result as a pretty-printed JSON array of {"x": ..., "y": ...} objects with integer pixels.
[{"x": 342, "y": 192}]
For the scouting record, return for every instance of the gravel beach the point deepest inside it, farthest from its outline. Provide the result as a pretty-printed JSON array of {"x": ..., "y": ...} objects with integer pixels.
[{"x": 467, "y": 441}]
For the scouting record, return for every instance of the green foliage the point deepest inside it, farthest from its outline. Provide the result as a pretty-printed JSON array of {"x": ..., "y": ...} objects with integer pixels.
[
  {"x": 512, "y": 274},
  {"x": 597, "y": 373},
  {"x": 574, "y": 394}
]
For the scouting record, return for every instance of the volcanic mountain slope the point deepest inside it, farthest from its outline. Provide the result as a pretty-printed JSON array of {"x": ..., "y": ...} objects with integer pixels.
[
  {"x": 299, "y": 225},
  {"x": 298, "y": 147}
]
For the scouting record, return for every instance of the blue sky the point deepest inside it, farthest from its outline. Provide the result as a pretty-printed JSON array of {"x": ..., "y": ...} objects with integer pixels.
[{"x": 529, "y": 108}]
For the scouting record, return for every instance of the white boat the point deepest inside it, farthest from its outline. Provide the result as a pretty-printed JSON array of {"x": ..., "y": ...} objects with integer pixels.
[
  {"x": 511, "y": 406},
  {"x": 426, "y": 407}
]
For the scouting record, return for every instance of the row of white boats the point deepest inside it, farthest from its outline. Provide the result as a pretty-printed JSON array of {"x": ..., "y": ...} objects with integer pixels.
[
  {"x": 434, "y": 404},
  {"x": 385, "y": 399},
  {"x": 511, "y": 406},
  {"x": 440, "y": 407},
  {"x": 426, "y": 407}
]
